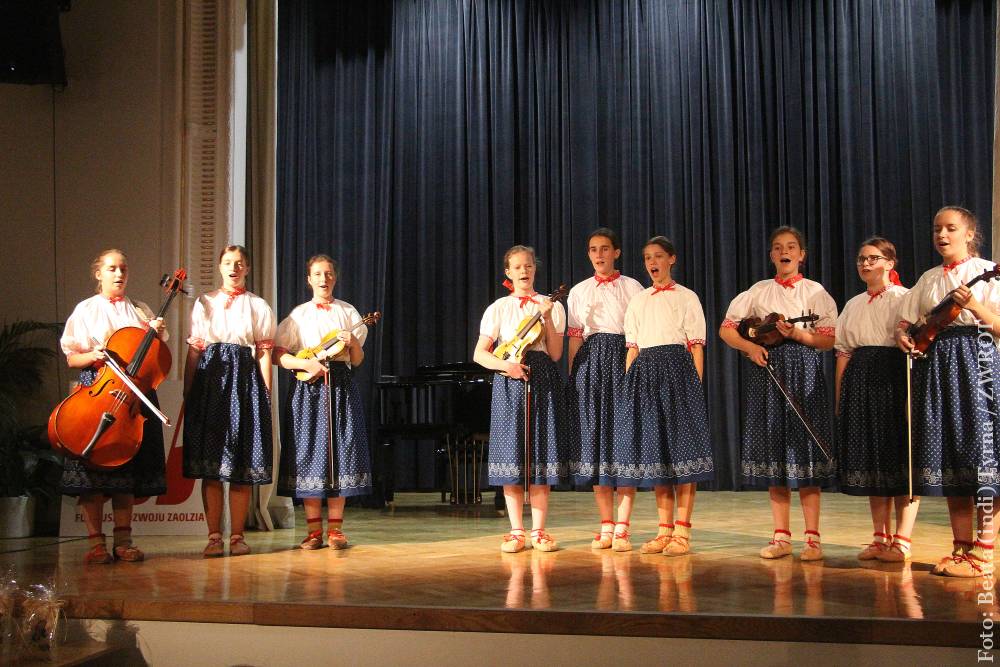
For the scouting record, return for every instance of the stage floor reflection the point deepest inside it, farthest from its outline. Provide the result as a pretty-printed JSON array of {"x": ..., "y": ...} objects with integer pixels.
[{"x": 428, "y": 566}]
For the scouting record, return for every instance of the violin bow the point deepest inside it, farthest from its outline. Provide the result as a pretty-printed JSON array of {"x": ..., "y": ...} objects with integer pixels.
[
  {"x": 328, "y": 379},
  {"x": 909, "y": 426},
  {"x": 797, "y": 409},
  {"x": 527, "y": 438},
  {"x": 123, "y": 376}
]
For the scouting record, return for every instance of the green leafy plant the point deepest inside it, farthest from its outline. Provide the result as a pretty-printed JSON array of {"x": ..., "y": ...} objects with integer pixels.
[{"x": 26, "y": 462}]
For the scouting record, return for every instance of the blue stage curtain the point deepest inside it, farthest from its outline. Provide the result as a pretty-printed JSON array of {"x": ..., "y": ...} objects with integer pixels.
[{"x": 418, "y": 140}]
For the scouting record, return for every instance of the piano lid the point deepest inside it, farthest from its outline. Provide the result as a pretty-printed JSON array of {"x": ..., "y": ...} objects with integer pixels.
[{"x": 461, "y": 371}]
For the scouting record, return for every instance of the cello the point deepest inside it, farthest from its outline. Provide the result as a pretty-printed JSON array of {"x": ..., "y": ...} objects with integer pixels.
[{"x": 102, "y": 424}]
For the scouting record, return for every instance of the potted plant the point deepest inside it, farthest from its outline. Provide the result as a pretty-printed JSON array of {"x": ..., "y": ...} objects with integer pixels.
[{"x": 25, "y": 462}]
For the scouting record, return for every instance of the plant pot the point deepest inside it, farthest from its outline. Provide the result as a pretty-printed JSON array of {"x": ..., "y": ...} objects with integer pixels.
[{"x": 17, "y": 516}]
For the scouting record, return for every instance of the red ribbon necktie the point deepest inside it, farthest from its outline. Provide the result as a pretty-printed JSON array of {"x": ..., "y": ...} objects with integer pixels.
[
  {"x": 874, "y": 295},
  {"x": 524, "y": 299},
  {"x": 322, "y": 305},
  {"x": 606, "y": 281},
  {"x": 788, "y": 283},
  {"x": 951, "y": 267},
  {"x": 115, "y": 299},
  {"x": 232, "y": 296},
  {"x": 665, "y": 288}
]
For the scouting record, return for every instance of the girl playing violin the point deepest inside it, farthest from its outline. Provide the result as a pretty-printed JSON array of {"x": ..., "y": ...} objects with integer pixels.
[
  {"x": 93, "y": 319},
  {"x": 596, "y": 312},
  {"x": 778, "y": 452},
  {"x": 954, "y": 413},
  {"x": 871, "y": 403},
  {"x": 662, "y": 434},
  {"x": 227, "y": 398},
  {"x": 306, "y": 470},
  {"x": 506, "y": 459}
]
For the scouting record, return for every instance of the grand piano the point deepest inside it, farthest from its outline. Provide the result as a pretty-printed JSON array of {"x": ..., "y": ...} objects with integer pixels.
[{"x": 448, "y": 404}]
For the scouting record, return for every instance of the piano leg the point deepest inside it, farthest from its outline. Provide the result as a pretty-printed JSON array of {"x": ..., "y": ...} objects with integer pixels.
[{"x": 387, "y": 454}]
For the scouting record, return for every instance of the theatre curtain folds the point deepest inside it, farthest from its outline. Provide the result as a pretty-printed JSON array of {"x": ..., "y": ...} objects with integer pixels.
[{"x": 418, "y": 140}]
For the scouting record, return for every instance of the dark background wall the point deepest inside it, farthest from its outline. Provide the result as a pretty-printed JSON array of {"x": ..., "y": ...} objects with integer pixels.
[{"x": 420, "y": 139}]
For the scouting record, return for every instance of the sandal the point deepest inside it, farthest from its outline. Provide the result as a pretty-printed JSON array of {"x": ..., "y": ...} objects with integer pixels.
[
  {"x": 621, "y": 540},
  {"x": 542, "y": 541},
  {"x": 335, "y": 539},
  {"x": 98, "y": 555},
  {"x": 214, "y": 547},
  {"x": 658, "y": 543},
  {"x": 237, "y": 545},
  {"x": 513, "y": 542},
  {"x": 603, "y": 539},
  {"x": 314, "y": 540}
]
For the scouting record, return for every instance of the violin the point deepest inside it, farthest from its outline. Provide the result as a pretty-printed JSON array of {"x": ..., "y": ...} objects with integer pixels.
[
  {"x": 528, "y": 331},
  {"x": 333, "y": 345},
  {"x": 102, "y": 424},
  {"x": 923, "y": 333},
  {"x": 765, "y": 332}
]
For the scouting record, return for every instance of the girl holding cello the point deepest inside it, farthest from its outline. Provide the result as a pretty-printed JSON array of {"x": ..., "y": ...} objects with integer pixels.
[
  {"x": 661, "y": 425},
  {"x": 778, "y": 452},
  {"x": 506, "y": 465},
  {"x": 227, "y": 398},
  {"x": 306, "y": 469},
  {"x": 954, "y": 414},
  {"x": 597, "y": 365},
  {"x": 96, "y": 318},
  {"x": 871, "y": 403}
]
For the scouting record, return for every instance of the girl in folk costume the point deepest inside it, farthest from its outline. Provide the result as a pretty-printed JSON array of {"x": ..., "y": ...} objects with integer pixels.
[
  {"x": 596, "y": 319},
  {"x": 93, "y": 319},
  {"x": 661, "y": 420},
  {"x": 871, "y": 403},
  {"x": 306, "y": 470},
  {"x": 778, "y": 452},
  {"x": 227, "y": 398},
  {"x": 954, "y": 411},
  {"x": 506, "y": 456}
]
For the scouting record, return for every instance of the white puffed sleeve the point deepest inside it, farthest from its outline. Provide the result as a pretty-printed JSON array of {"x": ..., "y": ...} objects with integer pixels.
[
  {"x": 263, "y": 324},
  {"x": 694, "y": 321},
  {"x": 75, "y": 338},
  {"x": 199, "y": 325},
  {"x": 631, "y": 324},
  {"x": 490, "y": 324},
  {"x": 558, "y": 318},
  {"x": 740, "y": 308},
  {"x": 574, "y": 323},
  {"x": 353, "y": 318},
  {"x": 822, "y": 304},
  {"x": 288, "y": 338}
]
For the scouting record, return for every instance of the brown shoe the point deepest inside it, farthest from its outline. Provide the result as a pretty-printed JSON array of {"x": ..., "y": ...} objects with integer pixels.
[
  {"x": 877, "y": 546},
  {"x": 237, "y": 545},
  {"x": 98, "y": 555},
  {"x": 542, "y": 541},
  {"x": 313, "y": 541},
  {"x": 959, "y": 549},
  {"x": 513, "y": 542},
  {"x": 603, "y": 539},
  {"x": 335, "y": 539},
  {"x": 214, "y": 548},
  {"x": 128, "y": 553}
]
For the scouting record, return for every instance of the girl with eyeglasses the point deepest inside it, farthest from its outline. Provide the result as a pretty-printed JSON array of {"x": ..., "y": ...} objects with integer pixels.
[
  {"x": 955, "y": 418},
  {"x": 871, "y": 403}
]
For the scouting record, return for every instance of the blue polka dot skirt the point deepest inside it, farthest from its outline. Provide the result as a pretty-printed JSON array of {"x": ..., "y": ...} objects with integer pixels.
[
  {"x": 594, "y": 386},
  {"x": 661, "y": 423},
  {"x": 777, "y": 449},
  {"x": 955, "y": 421},
  {"x": 227, "y": 421},
  {"x": 144, "y": 475},
  {"x": 305, "y": 470},
  {"x": 871, "y": 428},
  {"x": 505, "y": 463}
]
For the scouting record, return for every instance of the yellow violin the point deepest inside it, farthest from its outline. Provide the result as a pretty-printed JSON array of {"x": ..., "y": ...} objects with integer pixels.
[
  {"x": 331, "y": 344},
  {"x": 528, "y": 331}
]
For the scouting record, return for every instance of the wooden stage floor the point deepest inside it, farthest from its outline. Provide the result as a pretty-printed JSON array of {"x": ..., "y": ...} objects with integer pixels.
[{"x": 425, "y": 566}]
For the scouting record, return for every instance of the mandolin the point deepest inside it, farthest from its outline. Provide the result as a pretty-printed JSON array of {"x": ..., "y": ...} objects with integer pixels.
[
  {"x": 528, "y": 331},
  {"x": 331, "y": 344}
]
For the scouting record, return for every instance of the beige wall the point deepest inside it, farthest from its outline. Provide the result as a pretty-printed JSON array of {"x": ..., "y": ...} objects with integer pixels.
[{"x": 94, "y": 165}]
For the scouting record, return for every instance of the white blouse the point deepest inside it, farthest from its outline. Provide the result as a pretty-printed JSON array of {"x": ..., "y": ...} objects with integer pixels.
[
  {"x": 97, "y": 317},
  {"x": 243, "y": 319},
  {"x": 599, "y": 306},
  {"x": 502, "y": 317},
  {"x": 802, "y": 297},
  {"x": 306, "y": 325},
  {"x": 665, "y": 317},
  {"x": 935, "y": 284},
  {"x": 869, "y": 320}
]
